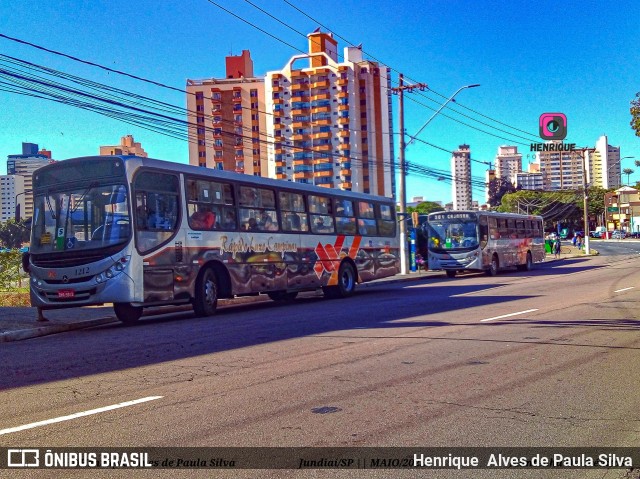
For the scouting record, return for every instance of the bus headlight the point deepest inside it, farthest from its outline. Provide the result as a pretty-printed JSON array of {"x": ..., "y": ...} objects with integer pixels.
[{"x": 113, "y": 271}]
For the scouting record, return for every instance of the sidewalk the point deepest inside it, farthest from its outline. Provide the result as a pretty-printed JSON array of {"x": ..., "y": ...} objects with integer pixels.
[{"x": 17, "y": 323}]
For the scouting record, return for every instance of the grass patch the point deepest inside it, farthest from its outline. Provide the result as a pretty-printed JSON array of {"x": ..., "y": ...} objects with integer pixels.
[{"x": 17, "y": 298}]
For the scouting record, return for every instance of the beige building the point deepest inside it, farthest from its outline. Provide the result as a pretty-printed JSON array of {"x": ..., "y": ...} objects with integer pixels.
[
  {"x": 508, "y": 162},
  {"x": 127, "y": 146},
  {"x": 461, "y": 172},
  {"x": 561, "y": 170},
  {"x": 227, "y": 120},
  {"x": 330, "y": 122}
]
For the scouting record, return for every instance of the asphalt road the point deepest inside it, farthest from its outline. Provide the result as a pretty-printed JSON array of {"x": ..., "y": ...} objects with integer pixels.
[{"x": 544, "y": 358}]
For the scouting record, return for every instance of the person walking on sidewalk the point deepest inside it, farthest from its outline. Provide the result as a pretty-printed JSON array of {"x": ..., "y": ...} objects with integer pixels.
[
  {"x": 556, "y": 248},
  {"x": 579, "y": 242}
]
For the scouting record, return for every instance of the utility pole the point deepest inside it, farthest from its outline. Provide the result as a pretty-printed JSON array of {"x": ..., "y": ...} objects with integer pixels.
[
  {"x": 583, "y": 154},
  {"x": 402, "y": 193}
]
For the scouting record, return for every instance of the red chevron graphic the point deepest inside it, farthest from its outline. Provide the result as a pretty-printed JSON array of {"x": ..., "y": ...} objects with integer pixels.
[{"x": 330, "y": 255}]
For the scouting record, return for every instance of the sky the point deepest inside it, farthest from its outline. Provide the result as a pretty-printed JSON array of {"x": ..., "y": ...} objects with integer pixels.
[{"x": 576, "y": 57}]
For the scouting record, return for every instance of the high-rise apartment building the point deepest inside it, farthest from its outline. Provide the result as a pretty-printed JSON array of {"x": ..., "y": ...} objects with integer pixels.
[
  {"x": 24, "y": 165},
  {"x": 227, "y": 119},
  {"x": 508, "y": 162},
  {"x": 461, "y": 172},
  {"x": 561, "y": 170},
  {"x": 603, "y": 165},
  {"x": 529, "y": 181},
  {"x": 331, "y": 121},
  {"x": 11, "y": 195},
  {"x": 127, "y": 146}
]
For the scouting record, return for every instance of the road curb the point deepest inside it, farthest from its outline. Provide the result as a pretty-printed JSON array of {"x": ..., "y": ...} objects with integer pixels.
[{"x": 52, "y": 329}]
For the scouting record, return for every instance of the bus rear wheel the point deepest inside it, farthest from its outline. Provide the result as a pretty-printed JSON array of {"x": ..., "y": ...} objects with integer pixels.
[
  {"x": 346, "y": 283},
  {"x": 206, "y": 294},
  {"x": 493, "y": 267},
  {"x": 126, "y": 313},
  {"x": 528, "y": 265}
]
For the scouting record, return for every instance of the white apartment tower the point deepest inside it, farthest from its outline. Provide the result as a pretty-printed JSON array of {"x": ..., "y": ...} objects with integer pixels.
[
  {"x": 11, "y": 194},
  {"x": 508, "y": 162},
  {"x": 603, "y": 165},
  {"x": 461, "y": 172},
  {"x": 329, "y": 122}
]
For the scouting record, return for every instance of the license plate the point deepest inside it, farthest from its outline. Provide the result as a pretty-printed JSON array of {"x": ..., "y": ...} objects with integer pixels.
[{"x": 66, "y": 293}]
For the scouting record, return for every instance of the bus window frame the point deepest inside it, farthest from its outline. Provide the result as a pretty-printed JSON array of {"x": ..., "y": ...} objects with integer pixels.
[{"x": 136, "y": 215}]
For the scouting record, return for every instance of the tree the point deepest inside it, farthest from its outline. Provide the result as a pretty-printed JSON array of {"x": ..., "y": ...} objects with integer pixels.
[
  {"x": 628, "y": 172},
  {"x": 425, "y": 207},
  {"x": 635, "y": 114},
  {"x": 13, "y": 234},
  {"x": 498, "y": 187}
]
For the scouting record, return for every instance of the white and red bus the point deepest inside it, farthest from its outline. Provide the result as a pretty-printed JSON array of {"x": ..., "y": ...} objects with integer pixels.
[
  {"x": 483, "y": 241},
  {"x": 138, "y": 232}
]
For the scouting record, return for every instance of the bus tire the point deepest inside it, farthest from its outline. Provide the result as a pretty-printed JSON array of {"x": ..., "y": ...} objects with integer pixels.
[
  {"x": 205, "y": 301},
  {"x": 451, "y": 273},
  {"x": 126, "y": 313},
  {"x": 494, "y": 266},
  {"x": 528, "y": 265},
  {"x": 346, "y": 283},
  {"x": 282, "y": 295}
]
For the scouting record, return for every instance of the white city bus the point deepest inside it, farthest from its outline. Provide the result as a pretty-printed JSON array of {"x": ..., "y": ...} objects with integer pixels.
[
  {"x": 138, "y": 232},
  {"x": 483, "y": 241}
]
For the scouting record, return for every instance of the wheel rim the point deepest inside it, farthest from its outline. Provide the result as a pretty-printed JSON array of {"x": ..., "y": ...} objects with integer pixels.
[
  {"x": 347, "y": 279},
  {"x": 209, "y": 292},
  {"x": 494, "y": 265}
]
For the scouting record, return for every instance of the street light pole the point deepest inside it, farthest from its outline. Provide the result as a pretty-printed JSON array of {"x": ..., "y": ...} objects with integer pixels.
[
  {"x": 17, "y": 212},
  {"x": 402, "y": 166},
  {"x": 402, "y": 193},
  {"x": 439, "y": 110}
]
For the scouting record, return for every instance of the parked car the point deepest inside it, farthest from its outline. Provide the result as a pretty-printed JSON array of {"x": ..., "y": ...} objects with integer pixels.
[{"x": 617, "y": 234}]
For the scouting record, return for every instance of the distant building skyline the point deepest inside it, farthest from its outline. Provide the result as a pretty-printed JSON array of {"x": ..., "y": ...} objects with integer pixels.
[
  {"x": 24, "y": 165},
  {"x": 127, "y": 146}
]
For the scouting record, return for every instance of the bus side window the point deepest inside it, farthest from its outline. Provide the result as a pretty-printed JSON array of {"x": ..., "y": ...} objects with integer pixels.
[
  {"x": 156, "y": 208},
  {"x": 494, "y": 233},
  {"x": 386, "y": 223},
  {"x": 366, "y": 219},
  {"x": 292, "y": 212}
]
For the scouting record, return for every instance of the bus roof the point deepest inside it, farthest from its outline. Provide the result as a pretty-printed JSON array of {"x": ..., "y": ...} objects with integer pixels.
[
  {"x": 134, "y": 162},
  {"x": 495, "y": 214}
]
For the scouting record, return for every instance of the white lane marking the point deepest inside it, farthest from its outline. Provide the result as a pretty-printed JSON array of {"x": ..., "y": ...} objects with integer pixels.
[
  {"x": 508, "y": 315},
  {"x": 77, "y": 415},
  {"x": 624, "y": 289}
]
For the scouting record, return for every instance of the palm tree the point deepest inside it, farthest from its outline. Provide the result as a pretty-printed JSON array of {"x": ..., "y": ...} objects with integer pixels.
[
  {"x": 637, "y": 163},
  {"x": 628, "y": 172}
]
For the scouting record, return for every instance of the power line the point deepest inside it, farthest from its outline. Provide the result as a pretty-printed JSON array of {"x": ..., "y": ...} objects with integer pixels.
[
  {"x": 158, "y": 122},
  {"x": 415, "y": 81}
]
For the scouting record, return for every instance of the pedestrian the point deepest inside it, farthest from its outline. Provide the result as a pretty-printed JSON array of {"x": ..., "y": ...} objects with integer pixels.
[
  {"x": 579, "y": 242},
  {"x": 556, "y": 247}
]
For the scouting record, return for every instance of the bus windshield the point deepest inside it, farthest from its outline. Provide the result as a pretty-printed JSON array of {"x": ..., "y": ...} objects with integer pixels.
[
  {"x": 454, "y": 233},
  {"x": 91, "y": 217}
]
